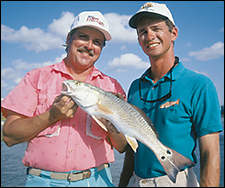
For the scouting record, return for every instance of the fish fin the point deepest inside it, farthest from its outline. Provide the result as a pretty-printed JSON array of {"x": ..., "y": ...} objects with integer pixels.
[
  {"x": 104, "y": 108},
  {"x": 173, "y": 162},
  {"x": 132, "y": 142},
  {"x": 99, "y": 123}
]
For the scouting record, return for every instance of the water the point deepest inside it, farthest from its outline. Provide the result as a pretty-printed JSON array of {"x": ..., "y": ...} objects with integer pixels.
[{"x": 13, "y": 172}]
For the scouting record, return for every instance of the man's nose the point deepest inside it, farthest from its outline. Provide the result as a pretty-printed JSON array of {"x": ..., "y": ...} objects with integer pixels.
[
  {"x": 90, "y": 44},
  {"x": 150, "y": 34}
]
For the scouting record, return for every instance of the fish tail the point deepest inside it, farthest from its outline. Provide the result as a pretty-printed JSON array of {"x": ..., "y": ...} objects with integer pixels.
[{"x": 173, "y": 162}]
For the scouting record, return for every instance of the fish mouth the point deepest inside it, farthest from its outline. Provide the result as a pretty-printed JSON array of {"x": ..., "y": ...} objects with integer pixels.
[
  {"x": 65, "y": 90},
  {"x": 64, "y": 87}
]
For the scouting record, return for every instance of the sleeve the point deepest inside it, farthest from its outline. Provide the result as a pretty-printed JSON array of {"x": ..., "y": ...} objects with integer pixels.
[
  {"x": 206, "y": 110},
  {"x": 120, "y": 90},
  {"x": 23, "y": 98},
  {"x": 133, "y": 91}
]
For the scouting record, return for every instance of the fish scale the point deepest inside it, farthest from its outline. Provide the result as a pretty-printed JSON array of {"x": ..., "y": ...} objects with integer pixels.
[{"x": 126, "y": 111}]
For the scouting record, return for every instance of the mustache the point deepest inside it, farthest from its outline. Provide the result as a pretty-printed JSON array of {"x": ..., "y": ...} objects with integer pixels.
[{"x": 84, "y": 49}]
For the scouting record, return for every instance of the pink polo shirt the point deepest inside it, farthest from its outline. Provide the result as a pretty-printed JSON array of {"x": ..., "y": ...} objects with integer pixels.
[{"x": 72, "y": 144}]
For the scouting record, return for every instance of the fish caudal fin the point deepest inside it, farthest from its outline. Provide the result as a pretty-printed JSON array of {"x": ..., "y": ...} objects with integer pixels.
[{"x": 173, "y": 162}]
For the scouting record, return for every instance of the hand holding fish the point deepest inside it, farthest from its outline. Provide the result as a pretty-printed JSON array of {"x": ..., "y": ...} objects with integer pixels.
[{"x": 62, "y": 108}]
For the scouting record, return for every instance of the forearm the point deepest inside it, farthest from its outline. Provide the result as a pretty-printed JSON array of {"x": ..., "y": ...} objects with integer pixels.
[
  {"x": 19, "y": 128},
  {"x": 210, "y": 171},
  {"x": 128, "y": 168},
  {"x": 115, "y": 138},
  {"x": 24, "y": 129},
  {"x": 118, "y": 141},
  {"x": 210, "y": 160}
]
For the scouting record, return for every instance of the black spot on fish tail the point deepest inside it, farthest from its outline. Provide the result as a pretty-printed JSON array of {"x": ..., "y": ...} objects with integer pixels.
[{"x": 173, "y": 162}]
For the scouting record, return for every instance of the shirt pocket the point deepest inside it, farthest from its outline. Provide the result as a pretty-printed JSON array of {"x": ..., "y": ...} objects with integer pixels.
[
  {"x": 177, "y": 113},
  {"x": 53, "y": 130},
  {"x": 42, "y": 101},
  {"x": 45, "y": 100}
]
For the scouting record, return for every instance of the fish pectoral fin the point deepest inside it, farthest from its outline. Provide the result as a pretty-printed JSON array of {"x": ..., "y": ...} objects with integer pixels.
[
  {"x": 99, "y": 123},
  {"x": 132, "y": 142},
  {"x": 103, "y": 108}
]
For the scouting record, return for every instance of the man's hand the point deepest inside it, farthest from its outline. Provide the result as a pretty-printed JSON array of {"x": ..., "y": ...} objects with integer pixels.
[{"x": 62, "y": 108}]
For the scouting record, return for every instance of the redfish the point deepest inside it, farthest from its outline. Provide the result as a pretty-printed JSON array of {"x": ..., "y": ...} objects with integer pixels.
[{"x": 128, "y": 119}]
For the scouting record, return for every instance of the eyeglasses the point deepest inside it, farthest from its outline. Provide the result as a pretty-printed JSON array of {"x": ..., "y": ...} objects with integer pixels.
[{"x": 168, "y": 95}]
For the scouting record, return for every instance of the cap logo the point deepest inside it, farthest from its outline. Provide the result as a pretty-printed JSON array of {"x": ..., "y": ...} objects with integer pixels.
[
  {"x": 146, "y": 5},
  {"x": 94, "y": 19}
]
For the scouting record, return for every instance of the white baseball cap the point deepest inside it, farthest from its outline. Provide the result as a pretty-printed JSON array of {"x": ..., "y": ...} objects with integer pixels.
[
  {"x": 92, "y": 19},
  {"x": 151, "y": 8}
]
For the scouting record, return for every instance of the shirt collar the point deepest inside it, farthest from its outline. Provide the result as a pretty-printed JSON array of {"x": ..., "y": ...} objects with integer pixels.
[
  {"x": 61, "y": 67},
  {"x": 95, "y": 74},
  {"x": 176, "y": 72}
]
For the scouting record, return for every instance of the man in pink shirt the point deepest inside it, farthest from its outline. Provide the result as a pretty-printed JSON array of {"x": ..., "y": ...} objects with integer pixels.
[{"x": 66, "y": 147}]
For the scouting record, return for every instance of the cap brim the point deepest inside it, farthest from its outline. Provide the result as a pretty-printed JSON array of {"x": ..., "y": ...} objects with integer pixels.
[
  {"x": 134, "y": 19},
  {"x": 105, "y": 33}
]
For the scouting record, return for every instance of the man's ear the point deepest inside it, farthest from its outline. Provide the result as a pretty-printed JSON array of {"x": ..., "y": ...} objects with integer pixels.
[
  {"x": 68, "y": 41},
  {"x": 174, "y": 33},
  {"x": 138, "y": 37}
]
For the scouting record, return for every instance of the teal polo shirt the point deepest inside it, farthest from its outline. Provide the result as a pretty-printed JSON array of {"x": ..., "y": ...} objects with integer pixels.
[{"x": 192, "y": 111}]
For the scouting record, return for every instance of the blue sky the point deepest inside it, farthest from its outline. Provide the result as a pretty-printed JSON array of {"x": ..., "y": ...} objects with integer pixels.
[{"x": 33, "y": 32}]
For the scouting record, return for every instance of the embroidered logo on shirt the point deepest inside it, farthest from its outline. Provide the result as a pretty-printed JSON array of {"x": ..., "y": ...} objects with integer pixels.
[{"x": 170, "y": 103}]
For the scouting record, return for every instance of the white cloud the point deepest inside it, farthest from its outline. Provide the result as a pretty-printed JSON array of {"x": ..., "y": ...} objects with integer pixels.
[
  {"x": 128, "y": 60},
  {"x": 120, "y": 29},
  {"x": 7, "y": 73},
  {"x": 19, "y": 69},
  {"x": 123, "y": 47},
  {"x": 185, "y": 59},
  {"x": 33, "y": 39},
  {"x": 9, "y": 77},
  {"x": 6, "y": 32},
  {"x": 39, "y": 40},
  {"x": 213, "y": 52},
  {"x": 62, "y": 25},
  {"x": 57, "y": 60}
]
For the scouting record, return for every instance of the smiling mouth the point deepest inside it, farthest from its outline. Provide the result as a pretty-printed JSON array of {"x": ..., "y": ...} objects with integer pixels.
[
  {"x": 152, "y": 45},
  {"x": 89, "y": 52}
]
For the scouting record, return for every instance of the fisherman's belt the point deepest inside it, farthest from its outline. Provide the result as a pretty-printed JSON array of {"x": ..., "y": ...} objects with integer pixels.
[{"x": 71, "y": 176}]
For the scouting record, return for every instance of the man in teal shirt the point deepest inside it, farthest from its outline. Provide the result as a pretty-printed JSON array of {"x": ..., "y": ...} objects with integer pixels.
[{"x": 182, "y": 104}]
